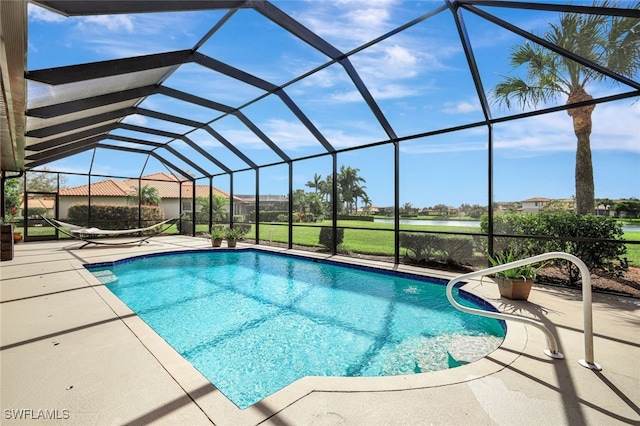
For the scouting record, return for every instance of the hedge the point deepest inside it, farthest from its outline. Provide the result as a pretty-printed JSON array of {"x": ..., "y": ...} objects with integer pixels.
[
  {"x": 114, "y": 216},
  {"x": 435, "y": 248}
]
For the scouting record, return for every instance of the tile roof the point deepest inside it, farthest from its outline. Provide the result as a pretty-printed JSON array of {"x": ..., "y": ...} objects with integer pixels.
[
  {"x": 537, "y": 199},
  {"x": 105, "y": 188},
  {"x": 40, "y": 202},
  {"x": 166, "y": 185}
]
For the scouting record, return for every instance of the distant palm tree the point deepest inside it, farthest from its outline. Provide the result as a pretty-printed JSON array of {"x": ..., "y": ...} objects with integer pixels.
[
  {"x": 366, "y": 201},
  {"x": 349, "y": 184},
  {"x": 218, "y": 203},
  {"x": 316, "y": 183},
  {"x": 610, "y": 41},
  {"x": 148, "y": 195}
]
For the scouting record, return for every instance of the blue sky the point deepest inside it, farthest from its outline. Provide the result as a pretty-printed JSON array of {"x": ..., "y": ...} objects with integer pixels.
[{"x": 418, "y": 77}]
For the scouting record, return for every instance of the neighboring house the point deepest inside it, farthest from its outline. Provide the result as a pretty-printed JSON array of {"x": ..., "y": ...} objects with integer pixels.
[
  {"x": 534, "y": 205},
  {"x": 371, "y": 210},
  {"x": 115, "y": 192},
  {"x": 504, "y": 206},
  {"x": 40, "y": 203},
  {"x": 268, "y": 202}
]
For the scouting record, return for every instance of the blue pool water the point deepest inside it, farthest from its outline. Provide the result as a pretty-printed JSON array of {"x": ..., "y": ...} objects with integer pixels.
[{"x": 255, "y": 322}]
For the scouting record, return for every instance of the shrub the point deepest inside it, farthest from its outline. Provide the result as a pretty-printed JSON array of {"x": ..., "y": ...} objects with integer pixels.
[
  {"x": 244, "y": 228},
  {"x": 601, "y": 251},
  {"x": 444, "y": 249},
  {"x": 598, "y": 253},
  {"x": 37, "y": 211},
  {"x": 326, "y": 237},
  {"x": 274, "y": 216}
]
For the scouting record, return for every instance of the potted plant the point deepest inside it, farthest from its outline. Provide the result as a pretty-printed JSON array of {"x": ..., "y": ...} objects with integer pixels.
[
  {"x": 232, "y": 235},
  {"x": 217, "y": 234},
  {"x": 514, "y": 283}
]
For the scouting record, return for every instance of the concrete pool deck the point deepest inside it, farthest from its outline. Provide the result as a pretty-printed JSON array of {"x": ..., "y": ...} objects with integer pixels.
[{"x": 71, "y": 351}]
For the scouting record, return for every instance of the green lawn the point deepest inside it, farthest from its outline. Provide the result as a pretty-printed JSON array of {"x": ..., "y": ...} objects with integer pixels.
[
  {"x": 375, "y": 238},
  {"x": 379, "y": 240}
]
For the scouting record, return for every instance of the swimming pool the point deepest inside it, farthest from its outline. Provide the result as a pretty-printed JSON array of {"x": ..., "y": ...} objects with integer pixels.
[{"x": 254, "y": 322}]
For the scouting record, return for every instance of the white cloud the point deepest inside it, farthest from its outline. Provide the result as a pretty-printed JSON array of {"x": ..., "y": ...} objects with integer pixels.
[
  {"x": 438, "y": 148},
  {"x": 615, "y": 128},
  {"x": 137, "y": 119},
  {"x": 243, "y": 137},
  {"x": 39, "y": 14},
  {"x": 289, "y": 135},
  {"x": 348, "y": 23},
  {"x": 401, "y": 59},
  {"x": 113, "y": 23},
  {"x": 461, "y": 107}
]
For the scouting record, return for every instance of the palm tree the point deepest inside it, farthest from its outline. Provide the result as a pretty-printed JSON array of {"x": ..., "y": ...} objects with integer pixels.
[
  {"x": 316, "y": 183},
  {"x": 610, "y": 41},
  {"x": 147, "y": 194},
  {"x": 218, "y": 203},
  {"x": 366, "y": 201},
  {"x": 349, "y": 184}
]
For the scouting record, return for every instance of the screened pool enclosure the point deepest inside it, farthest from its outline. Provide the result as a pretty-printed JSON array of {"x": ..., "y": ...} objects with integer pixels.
[{"x": 309, "y": 124}]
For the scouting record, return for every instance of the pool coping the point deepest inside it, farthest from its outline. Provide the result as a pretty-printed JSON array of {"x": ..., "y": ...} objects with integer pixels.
[{"x": 220, "y": 410}]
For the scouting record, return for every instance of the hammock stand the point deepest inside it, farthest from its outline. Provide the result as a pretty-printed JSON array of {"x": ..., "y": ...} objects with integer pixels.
[{"x": 83, "y": 234}]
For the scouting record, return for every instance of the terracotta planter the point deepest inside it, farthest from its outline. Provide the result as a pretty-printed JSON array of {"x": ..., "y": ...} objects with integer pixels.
[
  {"x": 216, "y": 242},
  {"x": 231, "y": 242},
  {"x": 514, "y": 289},
  {"x": 17, "y": 237}
]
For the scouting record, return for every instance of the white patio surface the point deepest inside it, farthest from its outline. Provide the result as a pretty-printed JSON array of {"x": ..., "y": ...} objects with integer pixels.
[{"x": 71, "y": 350}]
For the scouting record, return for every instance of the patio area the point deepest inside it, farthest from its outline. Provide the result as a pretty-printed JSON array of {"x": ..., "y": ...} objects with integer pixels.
[{"x": 72, "y": 353}]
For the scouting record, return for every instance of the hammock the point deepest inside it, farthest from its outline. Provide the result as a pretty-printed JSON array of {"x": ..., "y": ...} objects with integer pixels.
[{"x": 79, "y": 233}]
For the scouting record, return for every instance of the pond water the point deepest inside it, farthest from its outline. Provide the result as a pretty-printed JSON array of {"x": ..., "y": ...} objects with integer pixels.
[
  {"x": 474, "y": 223},
  {"x": 466, "y": 223}
]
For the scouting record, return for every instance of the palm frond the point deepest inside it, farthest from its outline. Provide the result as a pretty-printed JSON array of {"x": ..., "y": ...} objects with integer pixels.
[{"x": 515, "y": 90}]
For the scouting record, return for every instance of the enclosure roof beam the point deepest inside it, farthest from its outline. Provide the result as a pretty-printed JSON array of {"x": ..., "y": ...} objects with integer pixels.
[
  {"x": 554, "y": 7},
  {"x": 175, "y": 136},
  {"x": 368, "y": 98},
  {"x": 168, "y": 117},
  {"x": 252, "y": 80},
  {"x": 64, "y": 150},
  {"x": 72, "y": 137},
  {"x": 55, "y": 110},
  {"x": 152, "y": 131},
  {"x": 285, "y": 21},
  {"x": 297, "y": 29},
  {"x": 555, "y": 48},
  {"x": 197, "y": 100},
  {"x": 471, "y": 60},
  {"x": 230, "y": 146},
  {"x": 148, "y": 152},
  {"x": 158, "y": 145},
  {"x": 110, "y": 68},
  {"x": 208, "y": 156},
  {"x": 80, "y": 123},
  {"x": 114, "y": 7},
  {"x": 262, "y": 136},
  {"x": 235, "y": 73}
]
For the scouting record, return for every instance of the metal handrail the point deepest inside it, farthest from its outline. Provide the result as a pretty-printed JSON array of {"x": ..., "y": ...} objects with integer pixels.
[{"x": 552, "y": 352}]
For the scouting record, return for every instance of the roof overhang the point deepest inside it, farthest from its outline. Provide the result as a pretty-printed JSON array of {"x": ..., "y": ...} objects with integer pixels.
[
  {"x": 77, "y": 8},
  {"x": 13, "y": 48}
]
